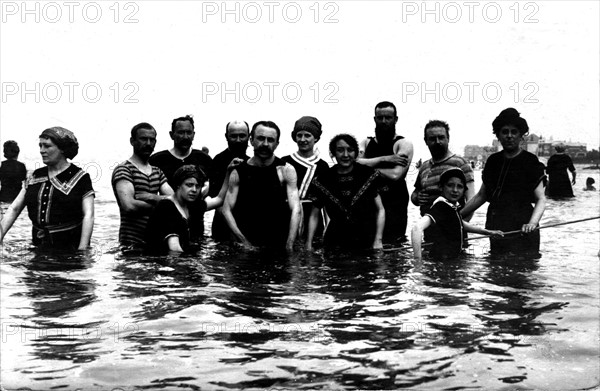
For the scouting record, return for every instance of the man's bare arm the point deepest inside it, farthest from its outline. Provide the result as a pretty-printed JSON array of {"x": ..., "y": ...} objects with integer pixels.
[
  {"x": 375, "y": 162},
  {"x": 470, "y": 193},
  {"x": 403, "y": 148},
  {"x": 230, "y": 200},
  {"x": 165, "y": 191},
  {"x": 128, "y": 199},
  {"x": 290, "y": 179}
]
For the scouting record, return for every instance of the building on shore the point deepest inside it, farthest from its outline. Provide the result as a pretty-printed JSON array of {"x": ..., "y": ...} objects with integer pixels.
[{"x": 533, "y": 143}]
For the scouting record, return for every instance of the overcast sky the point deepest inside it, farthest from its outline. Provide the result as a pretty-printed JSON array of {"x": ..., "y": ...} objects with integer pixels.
[{"x": 98, "y": 68}]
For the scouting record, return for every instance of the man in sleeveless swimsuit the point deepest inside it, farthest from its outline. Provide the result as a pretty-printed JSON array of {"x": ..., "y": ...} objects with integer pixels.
[
  {"x": 262, "y": 207},
  {"x": 390, "y": 154}
]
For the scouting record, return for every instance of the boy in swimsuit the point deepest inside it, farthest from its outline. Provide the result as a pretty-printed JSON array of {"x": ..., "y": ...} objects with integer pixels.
[{"x": 443, "y": 220}]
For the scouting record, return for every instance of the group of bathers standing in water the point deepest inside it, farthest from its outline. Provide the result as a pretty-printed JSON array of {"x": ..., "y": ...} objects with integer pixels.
[{"x": 295, "y": 201}]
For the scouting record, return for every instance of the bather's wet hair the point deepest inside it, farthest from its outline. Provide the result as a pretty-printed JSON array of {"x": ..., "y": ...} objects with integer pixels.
[
  {"x": 11, "y": 149},
  {"x": 266, "y": 124},
  {"x": 188, "y": 118},
  {"x": 436, "y": 124},
  {"x": 141, "y": 125},
  {"x": 385, "y": 104},
  {"x": 510, "y": 116},
  {"x": 185, "y": 172},
  {"x": 348, "y": 138}
]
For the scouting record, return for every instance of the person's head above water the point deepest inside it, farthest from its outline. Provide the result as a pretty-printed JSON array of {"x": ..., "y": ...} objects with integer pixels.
[
  {"x": 453, "y": 184},
  {"x": 512, "y": 117}
]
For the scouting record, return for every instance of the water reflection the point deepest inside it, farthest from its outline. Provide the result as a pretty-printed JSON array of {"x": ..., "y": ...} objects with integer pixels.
[
  {"x": 58, "y": 286},
  {"x": 226, "y": 319}
]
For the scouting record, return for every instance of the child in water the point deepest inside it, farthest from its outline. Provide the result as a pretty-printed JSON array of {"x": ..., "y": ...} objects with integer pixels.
[
  {"x": 444, "y": 221},
  {"x": 589, "y": 184}
]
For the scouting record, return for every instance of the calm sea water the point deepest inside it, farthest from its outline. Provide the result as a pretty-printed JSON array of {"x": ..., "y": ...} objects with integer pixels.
[{"x": 227, "y": 319}]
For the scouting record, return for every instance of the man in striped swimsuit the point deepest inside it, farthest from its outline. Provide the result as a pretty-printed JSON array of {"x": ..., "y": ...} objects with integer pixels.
[
  {"x": 138, "y": 186},
  {"x": 427, "y": 190}
]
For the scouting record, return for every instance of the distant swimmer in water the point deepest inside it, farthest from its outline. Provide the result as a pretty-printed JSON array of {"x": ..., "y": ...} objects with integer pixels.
[
  {"x": 559, "y": 185},
  {"x": 513, "y": 184},
  {"x": 12, "y": 173},
  {"x": 589, "y": 184},
  {"x": 443, "y": 221},
  {"x": 168, "y": 229},
  {"x": 59, "y": 197}
]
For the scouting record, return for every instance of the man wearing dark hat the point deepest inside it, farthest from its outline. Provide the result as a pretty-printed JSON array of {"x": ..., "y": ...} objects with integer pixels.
[
  {"x": 262, "y": 207},
  {"x": 236, "y": 134},
  {"x": 391, "y": 155},
  {"x": 307, "y": 132}
]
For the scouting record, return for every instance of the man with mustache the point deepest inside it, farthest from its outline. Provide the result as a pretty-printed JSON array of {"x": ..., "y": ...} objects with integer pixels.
[
  {"x": 236, "y": 134},
  {"x": 182, "y": 133},
  {"x": 391, "y": 155},
  {"x": 138, "y": 186},
  {"x": 427, "y": 190},
  {"x": 262, "y": 207}
]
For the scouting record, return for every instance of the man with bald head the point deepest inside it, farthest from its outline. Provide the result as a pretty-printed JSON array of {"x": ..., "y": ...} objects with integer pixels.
[{"x": 237, "y": 134}]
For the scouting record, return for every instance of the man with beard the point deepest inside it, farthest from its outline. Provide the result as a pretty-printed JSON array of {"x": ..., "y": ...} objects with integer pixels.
[
  {"x": 137, "y": 185},
  {"x": 236, "y": 134},
  {"x": 262, "y": 207},
  {"x": 391, "y": 155},
  {"x": 427, "y": 190},
  {"x": 182, "y": 133}
]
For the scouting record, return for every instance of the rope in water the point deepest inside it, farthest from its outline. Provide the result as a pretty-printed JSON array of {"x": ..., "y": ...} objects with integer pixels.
[{"x": 505, "y": 233}]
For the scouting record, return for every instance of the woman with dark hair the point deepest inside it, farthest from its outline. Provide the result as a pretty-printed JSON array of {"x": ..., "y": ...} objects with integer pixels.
[
  {"x": 12, "y": 173},
  {"x": 349, "y": 193},
  {"x": 559, "y": 184},
  {"x": 513, "y": 184},
  {"x": 59, "y": 197},
  {"x": 168, "y": 229},
  {"x": 307, "y": 132}
]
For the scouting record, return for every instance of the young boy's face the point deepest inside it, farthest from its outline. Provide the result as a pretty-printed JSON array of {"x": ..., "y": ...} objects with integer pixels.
[{"x": 453, "y": 189}]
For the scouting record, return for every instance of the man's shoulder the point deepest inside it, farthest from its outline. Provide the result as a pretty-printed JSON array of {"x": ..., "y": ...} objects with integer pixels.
[
  {"x": 402, "y": 141},
  {"x": 122, "y": 171},
  {"x": 460, "y": 162},
  {"x": 224, "y": 154},
  {"x": 198, "y": 154},
  {"x": 365, "y": 141},
  {"x": 160, "y": 156},
  {"x": 457, "y": 159},
  {"x": 222, "y": 159}
]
